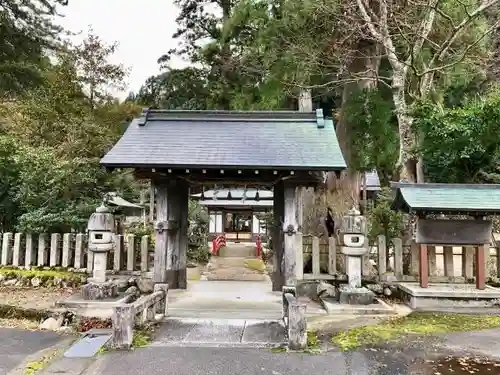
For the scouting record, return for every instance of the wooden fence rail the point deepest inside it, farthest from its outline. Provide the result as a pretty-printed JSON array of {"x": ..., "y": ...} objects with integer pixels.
[
  {"x": 70, "y": 250},
  {"x": 395, "y": 261}
]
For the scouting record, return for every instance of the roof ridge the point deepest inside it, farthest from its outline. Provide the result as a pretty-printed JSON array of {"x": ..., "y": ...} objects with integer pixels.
[
  {"x": 442, "y": 185},
  {"x": 220, "y": 116}
]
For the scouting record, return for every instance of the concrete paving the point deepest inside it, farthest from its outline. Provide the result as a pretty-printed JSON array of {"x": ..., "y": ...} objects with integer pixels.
[
  {"x": 484, "y": 342},
  {"x": 230, "y": 300},
  {"x": 220, "y": 333},
  {"x": 17, "y": 344},
  {"x": 226, "y": 299},
  {"x": 244, "y": 361}
]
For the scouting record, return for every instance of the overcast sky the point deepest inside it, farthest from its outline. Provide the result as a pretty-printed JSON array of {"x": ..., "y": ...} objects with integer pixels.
[{"x": 142, "y": 28}]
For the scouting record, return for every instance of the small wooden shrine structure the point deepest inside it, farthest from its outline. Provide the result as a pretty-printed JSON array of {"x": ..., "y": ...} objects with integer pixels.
[
  {"x": 236, "y": 212},
  {"x": 282, "y": 150},
  {"x": 453, "y": 215}
]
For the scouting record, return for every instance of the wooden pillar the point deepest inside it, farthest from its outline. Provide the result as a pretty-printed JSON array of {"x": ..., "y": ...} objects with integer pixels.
[
  {"x": 300, "y": 192},
  {"x": 183, "y": 235},
  {"x": 424, "y": 267},
  {"x": 277, "y": 236},
  {"x": 290, "y": 228},
  {"x": 480, "y": 267},
  {"x": 160, "y": 259},
  {"x": 173, "y": 239}
]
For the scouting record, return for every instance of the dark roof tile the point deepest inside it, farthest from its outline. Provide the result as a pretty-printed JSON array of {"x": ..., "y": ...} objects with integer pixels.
[{"x": 214, "y": 139}]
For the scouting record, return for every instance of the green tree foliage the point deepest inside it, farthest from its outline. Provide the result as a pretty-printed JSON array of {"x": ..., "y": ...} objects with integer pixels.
[
  {"x": 52, "y": 138},
  {"x": 370, "y": 114},
  {"x": 382, "y": 220},
  {"x": 27, "y": 30},
  {"x": 198, "y": 250},
  {"x": 176, "y": 89},
  {"x": 461, "y": 144},
  {"x": 96, "y": 73}
]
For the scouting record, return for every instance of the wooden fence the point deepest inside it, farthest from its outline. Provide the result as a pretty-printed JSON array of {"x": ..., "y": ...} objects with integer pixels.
[
  {"x": 70, "y": 250},
  {"x": 386, "y": 260},
  {"x": 395, "y": 261}
]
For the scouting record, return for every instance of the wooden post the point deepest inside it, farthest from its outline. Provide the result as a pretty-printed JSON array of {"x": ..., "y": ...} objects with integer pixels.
[
  {"x": 277, "y": 236},
  {"x": 78, "y": 251},
  {"x": 173, "y": 239},
  {"x": 332, "y": 256},
  {"x": 449, "y": 266},
  {"x": 43, "y": 256},
  {"x": 117, "y": 252},
  {"x": 290, "y": 230},
  {"x": 382, "y": 255},
  {"x": 160, "y": 259},
  {"x": 183, "y": 235},
  {"x": 130, "y": 252},
  {"x": 431, "y": 260},
  {"x": 299, "y": 246},
  {"x": 424, "y": 267},
  {"x": 414, "y": 258},
  {"x": 66, "y": 250},
  {"x": 487, "y": 256},
  {"x": 468, "y": 254},
  {"x": 55, "y": 250},
  {"x": 398, "y": 258},
  {"x": 16, "y": 253},
  {"x": 316, "y": 257},
  {"x": 480, "y": 269},
  {"x": 6, "y": 249},
  {"x": 151, "y": 202},
  {"x": 144, "y": 253},
  {"x": 30, "y": 255}
]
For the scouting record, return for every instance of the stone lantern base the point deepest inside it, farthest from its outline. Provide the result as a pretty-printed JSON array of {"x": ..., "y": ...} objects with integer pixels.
[
  {"x": 355, "y": 296},
  {"x": 95, "y": 291}
]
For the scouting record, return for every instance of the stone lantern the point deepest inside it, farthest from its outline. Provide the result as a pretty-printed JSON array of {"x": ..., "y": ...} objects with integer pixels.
[
  {"x": 353, "y": 231},
  {"x": 101, "y": 228}
]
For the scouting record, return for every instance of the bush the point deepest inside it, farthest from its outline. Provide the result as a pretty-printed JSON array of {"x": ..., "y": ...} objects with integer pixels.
[
  {"x": 198, "y": 248},
  {"x": 383, "y": 220}
]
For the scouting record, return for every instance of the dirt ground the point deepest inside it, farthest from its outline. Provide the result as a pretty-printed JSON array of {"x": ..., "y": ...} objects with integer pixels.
[{"x": 29, "y": 298}]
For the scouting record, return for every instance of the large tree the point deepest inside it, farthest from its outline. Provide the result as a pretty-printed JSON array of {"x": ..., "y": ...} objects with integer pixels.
[{"x": 27, "y": 31}]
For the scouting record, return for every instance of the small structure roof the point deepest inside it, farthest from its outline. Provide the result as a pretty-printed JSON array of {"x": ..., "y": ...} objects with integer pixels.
[
  {"x": 288, "y": 140},
  {"x": 115, "y": 200},
  {"x": 372, "y": 181},
  {"x": 451, "y": 198}
]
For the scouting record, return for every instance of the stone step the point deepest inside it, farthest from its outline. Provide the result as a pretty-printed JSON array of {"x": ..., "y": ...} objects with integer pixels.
[
  {"x": 231, "y": 313},
  {"x": 217, "y": 332},
  {"x": 235, "y": 250}
]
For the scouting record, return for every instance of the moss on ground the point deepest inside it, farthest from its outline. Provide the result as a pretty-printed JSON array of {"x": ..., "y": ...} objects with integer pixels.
[
  {"x": 35, "y": 366},
  {"x": 255, "y": 264},
  {"x": 416, "y": 324},
  {"x": 312, "y": 339},
  {"x": 42, "y": 273},
  {"x": 143, "y": 335}
]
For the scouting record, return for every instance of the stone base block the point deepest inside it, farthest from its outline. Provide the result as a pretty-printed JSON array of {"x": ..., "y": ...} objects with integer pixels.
[
  {"x": 355, "y": 296},
  {"x": 98, "y": 291}
]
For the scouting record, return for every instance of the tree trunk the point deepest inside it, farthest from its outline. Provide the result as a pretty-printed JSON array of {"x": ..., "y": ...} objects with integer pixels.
[
  {"x": 407, "y": 162},
  {"x": 366, "y": 60}
]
